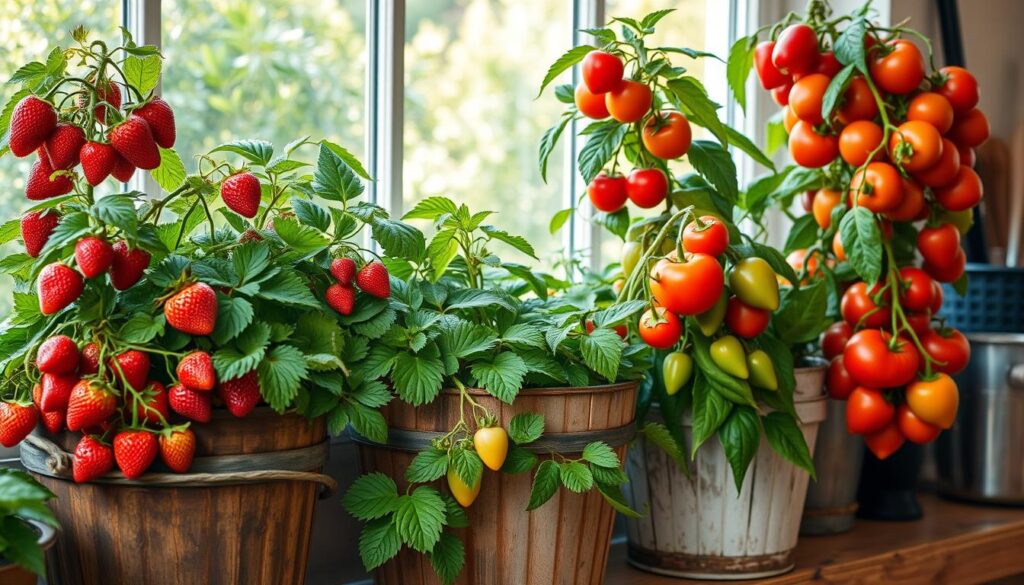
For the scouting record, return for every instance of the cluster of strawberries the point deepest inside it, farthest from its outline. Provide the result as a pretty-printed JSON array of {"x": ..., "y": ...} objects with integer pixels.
[{"x": 372, "y": 279}]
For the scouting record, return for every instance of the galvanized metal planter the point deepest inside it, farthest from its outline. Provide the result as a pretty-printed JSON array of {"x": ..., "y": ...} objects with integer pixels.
[
  {"x": 701, "y": 527},
  {"x": 831, "y": 504}
]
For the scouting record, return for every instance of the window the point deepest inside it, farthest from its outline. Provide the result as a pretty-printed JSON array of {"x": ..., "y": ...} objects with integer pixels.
[{"x": 28, "y": 30}]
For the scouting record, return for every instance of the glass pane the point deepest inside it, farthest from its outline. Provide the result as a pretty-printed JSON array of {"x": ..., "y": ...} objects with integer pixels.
[
  {"x": 29, "y": 30},
  {"x": 472, "y": 69},
  {"x": 275, "y": 70}
]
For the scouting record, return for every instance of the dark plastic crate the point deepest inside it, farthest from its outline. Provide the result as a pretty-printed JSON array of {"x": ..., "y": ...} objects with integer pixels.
[{"x": 994, "y": 302}]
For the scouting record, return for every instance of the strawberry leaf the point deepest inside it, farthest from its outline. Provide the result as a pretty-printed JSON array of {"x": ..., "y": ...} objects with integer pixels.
[{"x": 280, "y": 372}]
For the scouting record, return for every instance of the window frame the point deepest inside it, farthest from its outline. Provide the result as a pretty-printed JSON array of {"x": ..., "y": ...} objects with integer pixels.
[{"x": 385, "y": 94}]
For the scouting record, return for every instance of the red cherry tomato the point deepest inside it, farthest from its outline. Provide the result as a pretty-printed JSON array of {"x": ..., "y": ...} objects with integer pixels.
[
  {"x": 949, "y": 348},
  {"x": 913, "y": 428},
  {"x": 932, "y": 108},
  {"x": 936, "y": 297},
  {"x": 767, "y": 72},
  {"x": 589, "y": 104},
  {"x": 660, "y": 331},
  {"x": 647, "y": 188},
  {"x": 877, "y": 187},
  {"x": 916, "y": 290},
  {"x": 607, "y": 193},
  {"x": 667, "y": 135},
  {"x": 711, "y": 237},
  {"x": 858, "y": 102},
  {"x": 828, "y": 64},
  {"x": 938, "y": 245},
  {"x": 858, "y": 308},
  {"x": 950, "y": 273},
  {"x": 806, "y": 96},
  {"x": 629, "y": 101},
  {"x": 602, "y": 72},
  {"x": 911, "y": 207},
  {"x": 838, "y": 381},
  {"x": 859, "y": 140},
  {"x": 796, "y": 50},
  {"x": 920, "y": 322},
  {"x": 899, "y": 68},
  {"x": 867, "y": 411},
  {"x": 810, "y": 149},
  {"x": 960, "y": 88},
  {"x": 781, "y": 94},
  {"x": 967, "y": 156},
  {"x": 874, "y": 359},
  {"x": 620, "y": 330},
  {"x": 970, "y": 129},
  {"x": 789, "y": 119},
  {"x": 688, "y": 288},
  {"x": 744, "y": 320},
  {"x": 945, "y": 170},
  {"x": 885, "y": 442},
  {"x": 925, "y": 146},
  {"x": 964, "y": 192},
  {"x": 833, "y": 342}
]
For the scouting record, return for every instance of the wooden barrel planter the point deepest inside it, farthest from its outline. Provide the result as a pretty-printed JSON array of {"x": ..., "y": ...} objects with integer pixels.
[
  {"x": 566, "y": 540},
  {"x": 243, "y": 513},
  {"x": 700, "y": 527}
]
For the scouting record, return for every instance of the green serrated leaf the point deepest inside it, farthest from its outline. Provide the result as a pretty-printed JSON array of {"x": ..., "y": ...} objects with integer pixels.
[
  {"x": 281, "y": 371},
  {"x": 142, "y": 72},
  {"x": 739, "y": 64},
  {"x": 427, "y": 466},
  {"x": 548, "y": 142},
  {"x": 448, "y": 558},
  {"x": 171, "y": 172},
  {"x": 334, "y": 179},
  {"x": 518, "y": 460},
  {"x": 563, "y": 63},
  {"x": 740, "y": 435},
  {"x": 602, "y": 352},
  {"x": 350, "y": 159},
  {"x": 862, "y": 241},
  {"x": 714, "y": 163},
  {"x": 420, "y": 517},
  {"x": 255, "y": 151},
  {"x": 502, "y": 376},
  {"x": 378, "y": 542},
  {"x": 417, "y": 377},
  {"x": 576, "y": 476},
  {"x": 371, "y": 496},
  {"x": 546, "y": 481},
  {"x": 601, "y": 455},
  {"x": 526, "y": 427}
]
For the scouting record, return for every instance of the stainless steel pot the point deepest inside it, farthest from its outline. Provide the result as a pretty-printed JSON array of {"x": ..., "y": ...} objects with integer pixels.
[
  {"x": 982, "y": 457},
  {"x": 831, "y": 503}
]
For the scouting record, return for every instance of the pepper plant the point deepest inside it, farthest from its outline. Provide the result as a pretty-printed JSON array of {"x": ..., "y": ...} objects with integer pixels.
[
  {"x": 883, "y": 143},
  {"x": 713, "y": 308}
]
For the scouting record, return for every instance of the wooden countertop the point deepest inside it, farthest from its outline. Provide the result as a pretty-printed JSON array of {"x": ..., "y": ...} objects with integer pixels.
[{"x": 954, "y": 543}]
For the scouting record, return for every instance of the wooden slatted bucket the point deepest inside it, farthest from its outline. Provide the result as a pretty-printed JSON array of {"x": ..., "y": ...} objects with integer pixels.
[
  {"x": 701, "y": 528},
  {"x": 211, "y": 531},
  {"x": 566, "y": 540}
]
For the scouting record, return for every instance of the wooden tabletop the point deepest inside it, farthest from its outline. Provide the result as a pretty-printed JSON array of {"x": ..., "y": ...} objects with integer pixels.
[{"x": 954, "y": 543}]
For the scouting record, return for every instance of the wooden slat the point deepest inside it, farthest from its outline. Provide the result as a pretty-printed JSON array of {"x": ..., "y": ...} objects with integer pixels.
[{"x": 955, "y": 543}]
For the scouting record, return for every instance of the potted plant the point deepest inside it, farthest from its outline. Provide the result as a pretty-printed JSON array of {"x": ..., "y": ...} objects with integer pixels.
[
  {"x": 724, "y": 374},
  {"x": 148, "y": 333},
  {"x": 884, "y": 145},
  {"x": 494, "y": 380},
  {"x": 26, "y": 527}
]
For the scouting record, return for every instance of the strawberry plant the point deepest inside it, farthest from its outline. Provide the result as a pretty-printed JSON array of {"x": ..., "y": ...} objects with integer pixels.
[
  {"x": 134, "y": 317},
  {"x": 711, "y": 302},
  {"x": 459, "y": 316},
  {"x": 22, "y": 498},
  {"x": 883, "y": 143}
]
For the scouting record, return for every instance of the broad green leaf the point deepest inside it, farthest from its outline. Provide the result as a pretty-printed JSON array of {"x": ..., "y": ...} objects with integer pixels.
[
  {"x": 741, "y": 142},
  {"x": 740, "y": 435},
  {"x": 427, "y": 466},
  {"x": 301, "y": 239},
  {"x": 849, "y": 47},
  {"x": 559, "y": 219},
  {"x": 378, "y": 542},
  {"x": 548, "y": 142},
  {"x": 288, "y": 288},
  {"x": 465, "y": 339},
  {"x": 420, "y": 517},
  {"x": 371, "y": 496},
  {"x": 448, "y": 558},
  {"x": 716, "y": 165},
  {"x": 517, "y": 242},
  {"x": 502, "y": 376},
  {"x": 785, "y": 437},
  {"x": 519, "y": 460},
  {"x": 255, "y": 151},
  {"x": 618, "y": 312},
  {"x": 431, "y": 208},
  {"x": 467, "y": 465},
  {"x": 567, "y": 60},
  {"x": 368, "y": 422},
  {"x": 835, "y": 90},
  {"x": 142, "y": 72},
  {"x": 349, "y": 159},
  {"x": 710, "y": 409},
  {"x": 546, "y": 481},
  {"x": 399, "y": 239},
  {"x": 244, "y": 354},
  {"x": 602, "y": 351},
  {"x": 691, "y": 97},
  {"x": 117, "y": 211},
  {"x": 740, "y": 62},
  {"x": 280, "y": 372},
  {"x": 416, "y": 377},
  {"x": 803, "y": 234},
  {"x": 601, "y": 144},
  {"x": 311, "y": 214},
  {"x": 526, "y": 428},
  {"x": 863, "y": 243},
  {"x": 801, "y": 315},
  {"x": 576, "y": 476},
  {"x": 660, "y": 436},
  {"x": 171, "y": 172},
  {"x": 334, "y": 179},
  {"x": 601, "y": 455}
]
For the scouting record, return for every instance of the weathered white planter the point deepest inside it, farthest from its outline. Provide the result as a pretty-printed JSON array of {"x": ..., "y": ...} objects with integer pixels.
[{"x": 702, "y": 528}]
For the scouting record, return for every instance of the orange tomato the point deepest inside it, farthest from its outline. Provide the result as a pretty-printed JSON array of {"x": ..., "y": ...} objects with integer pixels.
[
  {"x": 934, "y": 401},
  {"x": 858, "y": 140},
  {"x": 944, "y": 171},
  {"x": 667, "y": 135},
  {"x": 898, "y": 68},
  {"x": 629, "y": 102},
  {"x": 964, "y": 192},
  {"x": 885, "y": 442},
  {"x": 806, "y": 95},
  {"x": 933, "y": 108},
  {"x": 924, "y": 141},
  {"x": 913, "y": 428},
  {"x": 970, "y": 129},
  {"x": 825, "y": 200},
  {"x": 810, "y": 149},
  {"x": 858, "y": 103},
  {"x": 589, "y": 104},
  {"x": 837, "y": 247},
  {"x": 789, "y": 119},
  {"x": 878, "y": 187},
  {"x": 911, "y": 205}
]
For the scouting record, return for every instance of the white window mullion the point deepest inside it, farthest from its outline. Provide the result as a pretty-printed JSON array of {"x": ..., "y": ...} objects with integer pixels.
[
  {"x": 385, "y": 94},
  {"x": 583, "y": 235},
  {"x": 142, "y": 18}
]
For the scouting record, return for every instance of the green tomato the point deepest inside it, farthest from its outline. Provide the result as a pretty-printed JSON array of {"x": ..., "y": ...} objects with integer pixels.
[
  {"x": 962, "y": 220},
  {"x": 727, "y": 353},
  {"x": 709, "y": 321},
  {"x": 762, "y": 371},
  {"x": 631, "y": 252},
  {"x": 676, "y": 371},
  {"x": 755, "y": 283}
]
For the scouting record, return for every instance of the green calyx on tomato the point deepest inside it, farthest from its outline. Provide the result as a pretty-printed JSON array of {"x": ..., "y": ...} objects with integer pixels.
[
  {"x": 676, "y": 370},
  {"x": 727, "y": 353},
  {"x": 755, "y": 283},
  {"x": 709, "y": 321},
  {"x": 762, "y": 371}
]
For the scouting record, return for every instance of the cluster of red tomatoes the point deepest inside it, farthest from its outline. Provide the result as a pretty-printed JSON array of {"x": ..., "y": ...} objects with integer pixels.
[
  {"x": 899, "y": 143},
  {"x": 666, "y": 135},
  {"x": 696, "y": 287}
]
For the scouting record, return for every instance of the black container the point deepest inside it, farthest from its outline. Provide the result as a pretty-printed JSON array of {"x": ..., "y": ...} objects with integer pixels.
[
  {"x": 992, "y": 303},
  {"x": 888, "y": 488}
]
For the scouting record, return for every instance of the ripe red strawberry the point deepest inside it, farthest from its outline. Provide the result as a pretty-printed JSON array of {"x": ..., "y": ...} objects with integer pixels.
[
  {"x": 341, "y": 298},
  {"x": 56, "y": 391},
  {"x": 98, "y": 159},
  {"x": 36, "y": 228},
  {"x": 16, "y": 421},
  {"x": 373, "y": 280},
  {"x": 132, "y": 368},
  {"x": 193, "y": 309},
  {"x": 177, "y": 449},
  {"x": 64, "y": 146},
  {"x": 196, "y": 371},
  {"x": 90, "y": 404},
  {"x": 154, "y": 404},
  {"x": 39, "y": 186},
  {"x": 106, "y": 92},
  {"x": 161, "y": 121},
  {"x": 241, "y": 193},
  {"x": 133, "y": 140},
  {"x": 32, "y": 121},
  {"x": 92, "y": 459},
  {"x": 58, "y": 286},
  {"x": 189, "y": 403},
  {"x": 134, "y": 452},
  {"x": 93, "y": 256},
  {"x": 241, "y": 394},
  {"x": 123, "y": 170},
  {"x": 127, "y": 266},
  {"x": 53, "y": 422},
  {"x": 90, "y": 361},
  {"x": 343, "y": 269},
  {"x": 57, "y": 355}
]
